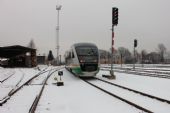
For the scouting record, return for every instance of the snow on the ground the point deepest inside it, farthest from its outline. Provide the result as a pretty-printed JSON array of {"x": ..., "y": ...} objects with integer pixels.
[
  {"x": 21, "y": 102},
  {"x": 143, "y": 101},
  {"x": 5, "y": 73},
  {"x": 9, "y": 84},
  {"x": 155, "y": 86},
  {"x": 15, "y": 80},
  {"x": 76, "y": 96}
]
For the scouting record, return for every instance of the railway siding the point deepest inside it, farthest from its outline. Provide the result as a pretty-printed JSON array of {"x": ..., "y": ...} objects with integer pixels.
[{"x": 139, "y": 100}]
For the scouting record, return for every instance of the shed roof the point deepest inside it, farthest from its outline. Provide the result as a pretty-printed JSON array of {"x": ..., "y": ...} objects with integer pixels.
[{"x": 12, "y": 51}]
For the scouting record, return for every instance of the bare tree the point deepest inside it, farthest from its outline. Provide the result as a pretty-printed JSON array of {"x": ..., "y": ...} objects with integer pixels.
[
  {"x": 122, "y": 52},
  {"x": 125, "y": 55},
  {"x": 143, "y": 55},
  {"x": 50, "y": 57},
  {"x": 104, "y": 56},
  {"x": 31, "y": 44},
  {"x": 161, "y": 51}
]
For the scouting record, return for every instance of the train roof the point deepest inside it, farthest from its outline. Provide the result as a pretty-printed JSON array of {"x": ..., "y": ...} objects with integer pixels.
[{"x": 84, "y": 44}]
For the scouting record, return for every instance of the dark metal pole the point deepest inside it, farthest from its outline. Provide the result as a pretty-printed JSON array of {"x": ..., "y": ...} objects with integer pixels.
[
  {"x": 134, "y": 58},
  {"x": 112, "y": 51}
]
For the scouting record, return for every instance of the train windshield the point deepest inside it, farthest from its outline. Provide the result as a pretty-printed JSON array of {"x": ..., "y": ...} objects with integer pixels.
[
  {"x": 87, "y": 54},
  {"x": 87, "y": 51}
]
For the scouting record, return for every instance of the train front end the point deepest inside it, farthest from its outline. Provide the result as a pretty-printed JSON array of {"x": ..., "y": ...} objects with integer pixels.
[{"x": 88, "y": 57}]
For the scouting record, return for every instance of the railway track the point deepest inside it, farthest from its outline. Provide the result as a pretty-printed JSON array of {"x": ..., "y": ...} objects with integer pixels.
[
  {"x": 7, "y": 76},
  {"x": 137, "y": 99},
  {"x": 37, "y": 98},
  {"x": 120, "y": 98},
  {"x": 17, "y": 88},
  {"x": 114, "y": 95},
  {"x": 140, "y": 72},
  {"x": 148, "y": 69},
  {"x": 135, "y": 91},
  {"x": 4, "y": 99}
]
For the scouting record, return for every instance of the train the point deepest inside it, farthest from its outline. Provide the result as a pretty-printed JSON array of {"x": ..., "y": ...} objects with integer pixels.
[{"x": 82, "y": 59}]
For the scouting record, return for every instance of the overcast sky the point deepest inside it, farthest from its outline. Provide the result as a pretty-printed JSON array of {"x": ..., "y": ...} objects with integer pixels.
[{"x": 84, "y": 21}]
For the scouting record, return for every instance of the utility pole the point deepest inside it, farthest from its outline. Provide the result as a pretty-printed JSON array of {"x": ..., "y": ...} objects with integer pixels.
[{"x": 58, "y": 8}]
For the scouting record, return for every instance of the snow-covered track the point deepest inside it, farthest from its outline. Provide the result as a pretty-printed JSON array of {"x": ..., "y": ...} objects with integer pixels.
[
  {"x": 17, "y": 88},
  {"x": 35, "y": 103},
  {"x": 11, "y": 91},
  {"x": 135, "y": 91},
  {"x": 137, "y": 99},
  {"x": 17, "y": 85},
  {"x": 120, "y": 98},
  {"x": 115, "y": 96},
  {"x": 140, "y": 72},
  {"x": 7, "y": 76},
  {"x": 29, "y": 82}
]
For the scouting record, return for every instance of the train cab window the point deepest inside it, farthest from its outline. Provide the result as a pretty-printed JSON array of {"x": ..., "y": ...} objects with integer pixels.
[{"x": 87, "y": 51}]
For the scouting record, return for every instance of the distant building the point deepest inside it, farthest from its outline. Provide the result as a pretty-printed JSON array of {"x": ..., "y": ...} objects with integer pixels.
[
  {"x": 18, "y": 56},
  {"x": 41, "y": 60}
]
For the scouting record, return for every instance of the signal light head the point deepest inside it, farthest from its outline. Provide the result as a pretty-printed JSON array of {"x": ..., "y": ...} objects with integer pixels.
[{"x": 114, "y": 16}]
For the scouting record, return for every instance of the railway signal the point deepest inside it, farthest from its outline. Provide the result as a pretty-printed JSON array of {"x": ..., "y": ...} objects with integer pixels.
[
  {"x": 114, "y": 23},
  {"x": 114, "y": 16}
]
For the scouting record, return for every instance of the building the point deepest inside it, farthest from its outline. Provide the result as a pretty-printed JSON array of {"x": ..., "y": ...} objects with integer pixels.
[{"x": 18, "y": 56}]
